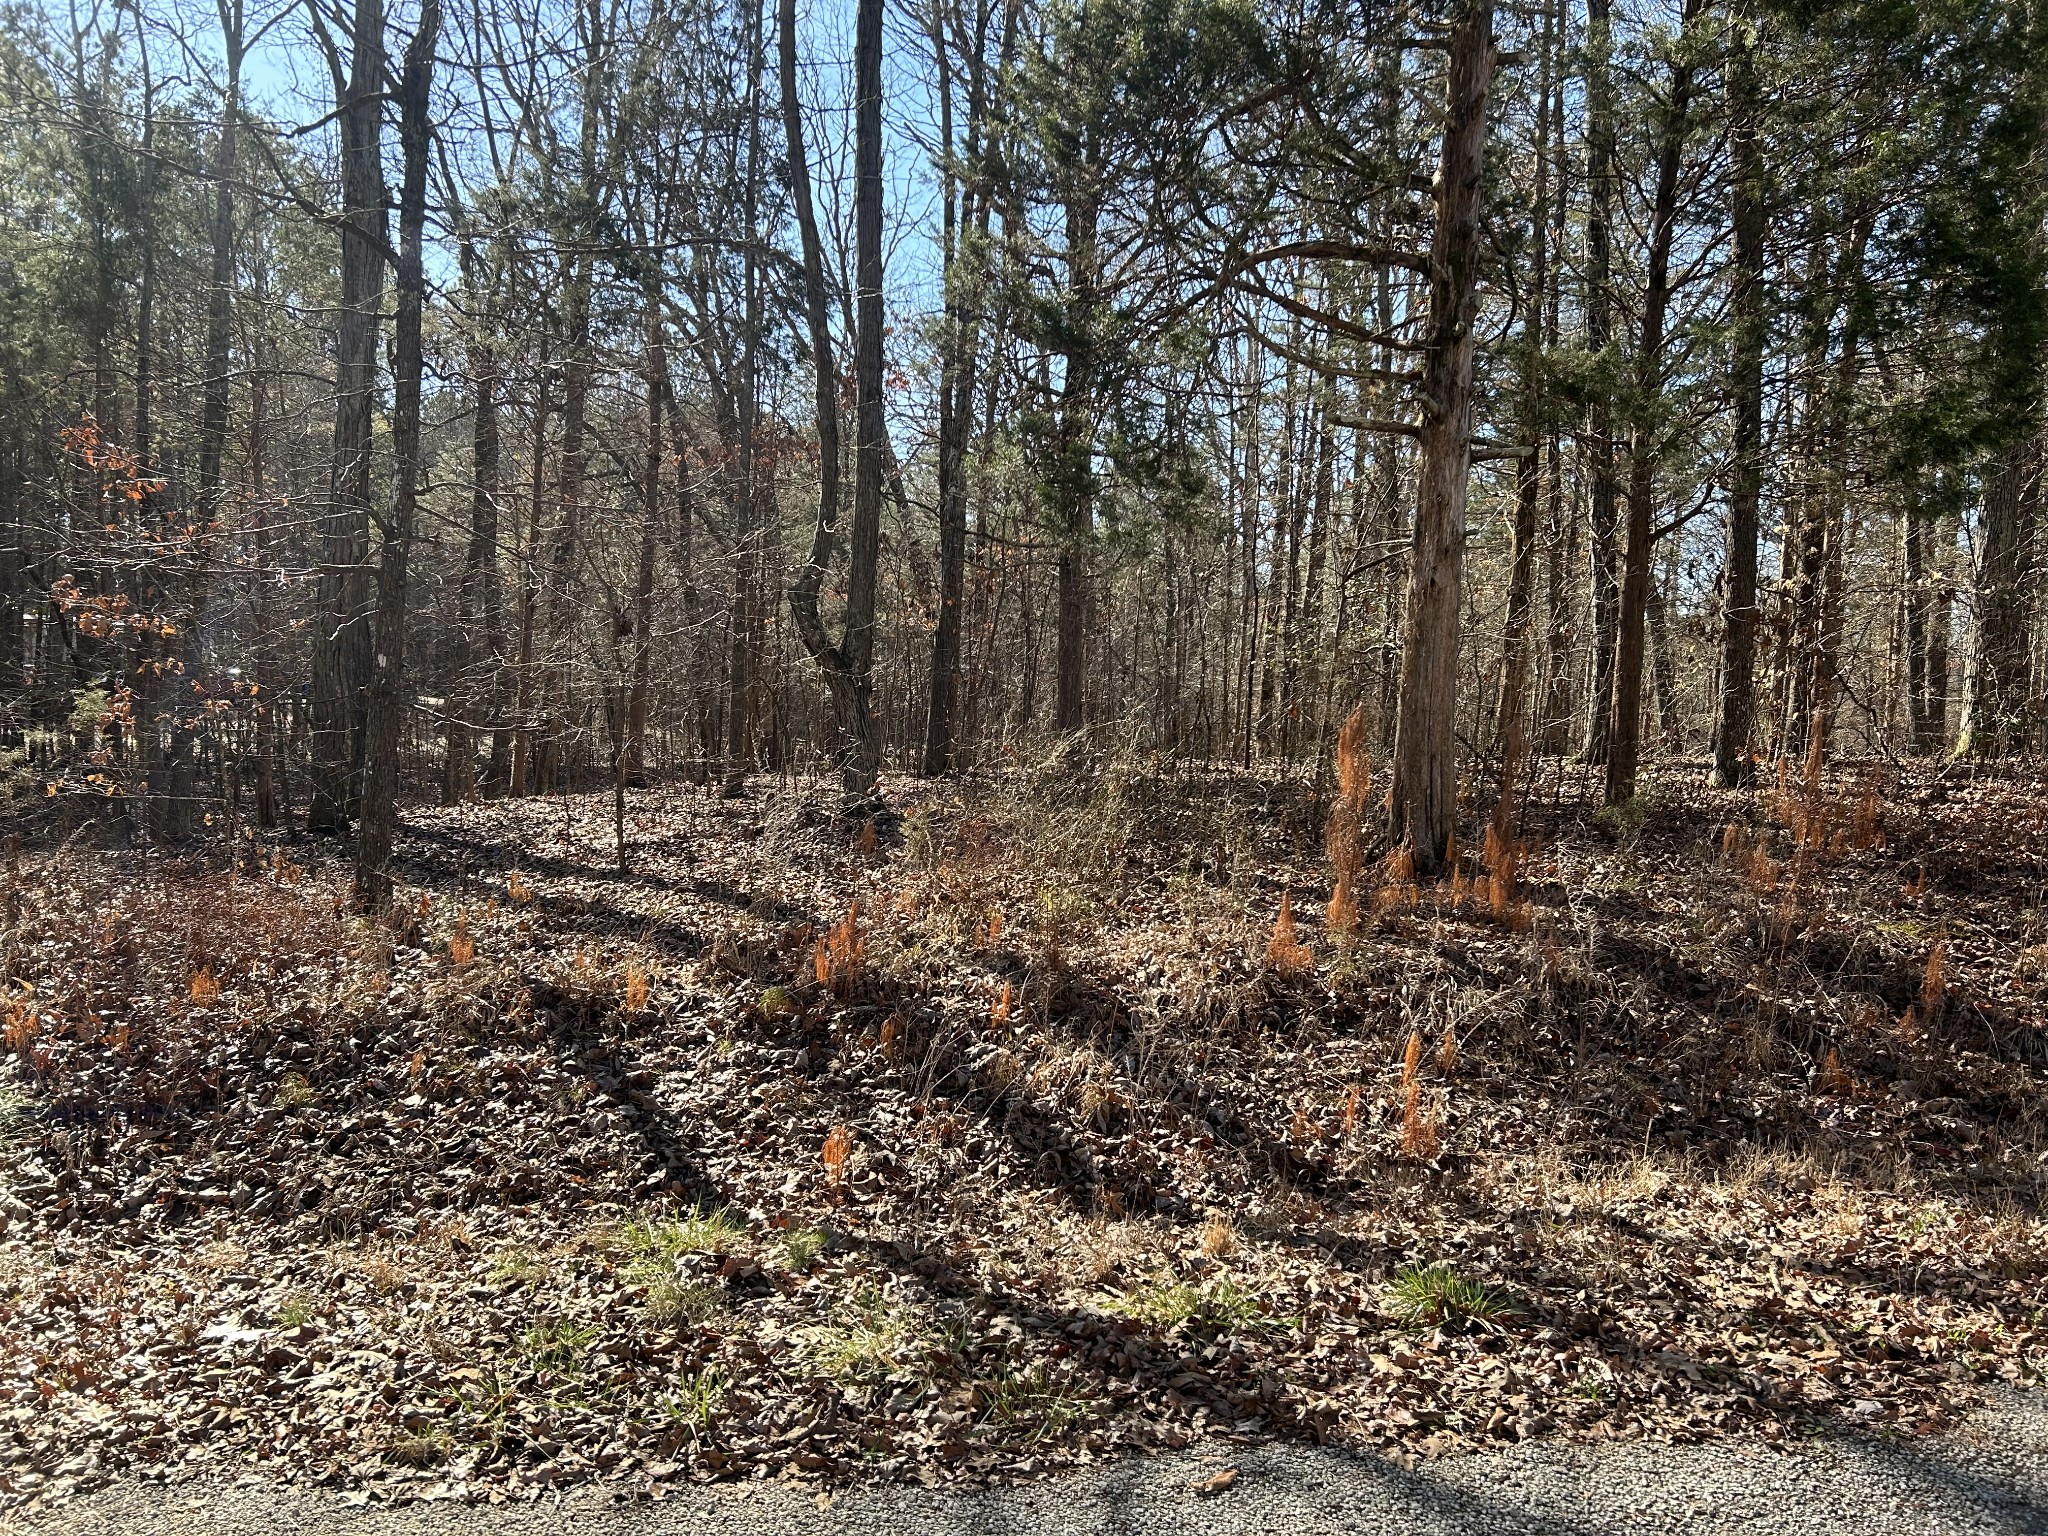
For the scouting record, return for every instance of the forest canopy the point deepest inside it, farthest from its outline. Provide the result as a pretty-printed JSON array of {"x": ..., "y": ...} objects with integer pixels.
[{"x": 482, "y": 399}]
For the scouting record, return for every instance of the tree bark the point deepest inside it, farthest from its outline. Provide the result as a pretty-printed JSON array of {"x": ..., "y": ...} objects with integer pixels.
[
  {"x": 1511, "y": 726},
  {"x": 803, "y": 591},
  {"x": 871, "y": 431},
  {"x": 1996, "y": 724},
  {"x": 1423, "y": 799},
  {"x": 966, "y": 209},
  {"x": 1074, "y": 456},
  {"x": 477, "y": 601},
  {"x": 1625, "y": 729},
  {"x": 341, "y": 645},
  {"x": 1599, "y": 303},
  {"x": 1736, "y": 715},
  {"x": 740, "y": 654},
  {"x": 213, "y": 410},
  {"x": 387, "y": 681},
  {"x": 631, "y": 770}
]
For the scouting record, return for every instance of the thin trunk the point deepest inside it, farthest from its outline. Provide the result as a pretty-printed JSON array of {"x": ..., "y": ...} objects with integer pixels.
[
  {"x": 1074, "y": 469},
  {"x": 1510, "y": 727},
  {"x": 477, "y": 596},
  {"x": 1733, "y": 763},
  {"x": 1599, "y": 333},
  {"x": 803, "y": 592},
  {"x": 341, "y": 645},
  {"x": 1996, "y": 724},
  {"x": 740, "y": 658},
  {"x": 1624, "y": 746},
  {"x": 632, "y": 767},
  {"x": 1913, "y": 598},
  {"x": 387, "y": 682},
  {"x": 213, "y": 411},
  {"x": 965, "y": 238},
  {"x": 520, "y": 772}
]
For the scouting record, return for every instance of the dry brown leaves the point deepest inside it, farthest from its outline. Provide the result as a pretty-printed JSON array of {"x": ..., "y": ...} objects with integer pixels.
[{"x": 408, "y": 1207}]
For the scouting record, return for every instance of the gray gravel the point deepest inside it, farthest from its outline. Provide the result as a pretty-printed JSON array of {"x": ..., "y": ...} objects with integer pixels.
[{"x": 1991, "y": 1476}]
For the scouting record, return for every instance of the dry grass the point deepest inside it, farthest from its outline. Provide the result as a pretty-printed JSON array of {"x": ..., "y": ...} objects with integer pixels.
[{"x": 1117, "y": 1109}]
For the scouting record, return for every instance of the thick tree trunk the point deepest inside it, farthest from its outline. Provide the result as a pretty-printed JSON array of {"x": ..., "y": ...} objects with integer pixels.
[
  {"x": 387, "y": 681},
  {"x": 1423, "y": 799}
]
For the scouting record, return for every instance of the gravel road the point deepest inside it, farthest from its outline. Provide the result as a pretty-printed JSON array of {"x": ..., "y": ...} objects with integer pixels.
[{"x": 1991, "y": 1476}]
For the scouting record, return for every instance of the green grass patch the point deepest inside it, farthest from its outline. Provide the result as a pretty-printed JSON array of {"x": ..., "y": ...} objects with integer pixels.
[
  {"x": 1436, "y": 1295},
  {"x": 801, "y": 1247},
  {"x": 1034, "y": 1407},
  {"x": 872, "y": 1338},
  {"x": 1216, "y": 1306},
  {"x": 557, "y": 1344}
]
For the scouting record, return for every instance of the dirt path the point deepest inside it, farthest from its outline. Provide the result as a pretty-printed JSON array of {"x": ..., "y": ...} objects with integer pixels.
[{"x": 1991, "y": 1476}]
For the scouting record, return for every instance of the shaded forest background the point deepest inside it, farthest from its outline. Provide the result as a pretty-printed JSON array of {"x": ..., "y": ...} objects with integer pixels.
[{"x": 580, "y": 396}]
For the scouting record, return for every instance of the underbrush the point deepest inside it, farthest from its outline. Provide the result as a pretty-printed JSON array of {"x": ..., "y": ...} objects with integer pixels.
[{"x": 1081, "y": 1114}]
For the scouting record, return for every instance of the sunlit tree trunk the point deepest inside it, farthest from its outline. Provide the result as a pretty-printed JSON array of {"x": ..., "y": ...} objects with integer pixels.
[{"x": 1423, "y": 798}]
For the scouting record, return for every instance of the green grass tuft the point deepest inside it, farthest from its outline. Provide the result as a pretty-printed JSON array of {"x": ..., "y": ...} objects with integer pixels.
[
  {"x": 801, "y": 1247},
  {"x": 1436, "y": 1295},
  {"x": 876, "y": 1337},
  {"x": 1219, "y": 1306},
  {"x": 556, "y": 1344}
]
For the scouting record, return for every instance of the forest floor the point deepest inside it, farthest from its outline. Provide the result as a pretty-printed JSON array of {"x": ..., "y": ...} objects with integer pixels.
[{"x": 1003, "y": 1132}]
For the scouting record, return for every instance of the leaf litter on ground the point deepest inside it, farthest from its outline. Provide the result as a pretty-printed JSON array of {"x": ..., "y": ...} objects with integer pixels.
[{"x": 1008, "y": 1143}]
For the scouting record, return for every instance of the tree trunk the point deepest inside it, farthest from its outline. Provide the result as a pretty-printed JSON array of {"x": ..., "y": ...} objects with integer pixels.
[
  {"x": 341, "y": 644},
  {"x": 803, "y": 592},
  {"x": 1423, "y": 799},
  {"x": 965, "y": 239},
  {"x": 1733, "y": 764},
  {"x": 213, "y": 410},
  {"x": 1074, "y": 467},
  {"x": 519, "y": 773},
  {"x": 477, "y": 596},
  {"x": 740, "y": 657},
  {"x": 631, "y": 769},
  {"x": 1996, "y": 724},
  {"x": 1511, "y": 726},
  {"x": 1913, "y": 599},
  {"x": 1599, "y": 333},
  {"x": 387, "y": 681},
  {"x": 1624, "y": 745}
]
